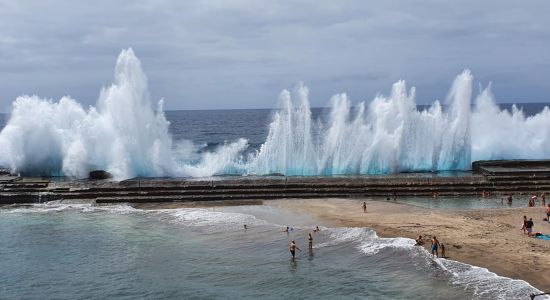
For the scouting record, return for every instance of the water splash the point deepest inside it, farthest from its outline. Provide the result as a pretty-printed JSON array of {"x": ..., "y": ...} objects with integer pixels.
[
  {"x": 122, "y": 134},
  {"x": 389, "y": 135},
  {"x": 125, "y": 136}
]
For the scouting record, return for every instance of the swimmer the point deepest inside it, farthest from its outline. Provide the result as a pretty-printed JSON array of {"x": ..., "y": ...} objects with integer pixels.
[
  {"x": 316, "y": 229},
  {"x": 245, "y": 228},
  {"x": 293, "y": 248},
  {"x": 310, "y": 240},
  {"x": 286, "y": 230}
]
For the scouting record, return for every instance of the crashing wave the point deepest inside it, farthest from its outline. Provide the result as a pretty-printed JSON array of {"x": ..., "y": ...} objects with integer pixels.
[{"x": 124, "y": 135}]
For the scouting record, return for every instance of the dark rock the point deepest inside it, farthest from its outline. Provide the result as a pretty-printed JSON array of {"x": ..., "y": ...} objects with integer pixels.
[{"x": 100, "y": 174}]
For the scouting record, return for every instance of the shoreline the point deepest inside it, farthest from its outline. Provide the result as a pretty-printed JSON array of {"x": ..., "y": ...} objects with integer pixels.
[{"x": 488, "y": 238}]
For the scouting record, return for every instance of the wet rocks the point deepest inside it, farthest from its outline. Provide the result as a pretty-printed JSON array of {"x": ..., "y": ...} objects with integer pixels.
[{"x": 100, "y": 174}]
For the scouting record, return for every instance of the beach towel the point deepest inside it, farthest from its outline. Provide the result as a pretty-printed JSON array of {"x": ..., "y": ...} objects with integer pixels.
[{"x": 543, "y": 237}]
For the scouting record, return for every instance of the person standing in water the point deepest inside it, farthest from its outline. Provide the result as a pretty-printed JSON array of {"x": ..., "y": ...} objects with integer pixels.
[
  {"x": 435, "y": 247},
  {"x": 310, "y": 240},
  {"x": 364, "y": 207},
  {"x": 293, "y": 248}
]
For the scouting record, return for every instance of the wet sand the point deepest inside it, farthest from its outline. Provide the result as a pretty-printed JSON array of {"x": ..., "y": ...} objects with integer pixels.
[{"x": 489, "y": 238}]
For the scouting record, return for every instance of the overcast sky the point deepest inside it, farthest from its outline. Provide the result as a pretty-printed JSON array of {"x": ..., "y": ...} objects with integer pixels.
[{"x": 241, "y": 54}]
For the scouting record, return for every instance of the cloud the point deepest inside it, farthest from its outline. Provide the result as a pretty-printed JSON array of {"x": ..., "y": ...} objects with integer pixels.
[{"x": 240, "y": 54}]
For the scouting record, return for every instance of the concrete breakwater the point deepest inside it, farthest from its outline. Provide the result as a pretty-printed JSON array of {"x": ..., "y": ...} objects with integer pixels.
[{"x": 487, "y": 177}]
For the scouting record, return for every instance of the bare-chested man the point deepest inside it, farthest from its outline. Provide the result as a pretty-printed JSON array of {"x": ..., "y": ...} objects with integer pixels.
[{"x": 293, "y": 248}]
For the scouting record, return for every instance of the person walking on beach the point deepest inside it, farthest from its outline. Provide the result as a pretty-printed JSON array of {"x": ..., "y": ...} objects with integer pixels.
[
  {"x": 443, "y": 251},
  {"x": 529, "y": 225},
  {"x": 548, "y": 213},
  {"x": 310, "y": 240},
  {"x": 364, "y": 207},
  {"x": 293, "y": 248},
  {"x": 435, "y": 247},
  {"x": 524, "y": 226}
]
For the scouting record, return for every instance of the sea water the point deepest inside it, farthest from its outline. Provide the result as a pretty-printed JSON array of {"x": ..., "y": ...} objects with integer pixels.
[{"x": 80, "y": 251}]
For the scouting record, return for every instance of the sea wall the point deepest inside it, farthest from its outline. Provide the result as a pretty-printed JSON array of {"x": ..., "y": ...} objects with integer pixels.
[{"x": 35, "y": 190}]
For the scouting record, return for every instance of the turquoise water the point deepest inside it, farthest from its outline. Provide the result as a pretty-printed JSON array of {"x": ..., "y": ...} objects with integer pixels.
[{"x": 83, "y": 252}]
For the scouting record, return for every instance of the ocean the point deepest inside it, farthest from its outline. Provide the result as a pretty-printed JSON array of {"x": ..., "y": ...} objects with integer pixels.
[{"x": 79, "y": 251}]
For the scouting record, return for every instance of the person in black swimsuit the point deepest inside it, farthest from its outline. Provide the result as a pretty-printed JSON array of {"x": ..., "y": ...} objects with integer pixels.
[{"x": 310, "y": 239}]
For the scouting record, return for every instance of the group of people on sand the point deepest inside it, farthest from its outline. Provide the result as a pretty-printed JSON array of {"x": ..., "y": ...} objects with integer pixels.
[
  {"x": 528, "y": 224},
  {"x": 293, "y": 247},
  {"x": 436, "y": 245}
]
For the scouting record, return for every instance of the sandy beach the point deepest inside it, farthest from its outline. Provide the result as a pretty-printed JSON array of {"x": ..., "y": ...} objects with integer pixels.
[{"x": 489, "y": 238}]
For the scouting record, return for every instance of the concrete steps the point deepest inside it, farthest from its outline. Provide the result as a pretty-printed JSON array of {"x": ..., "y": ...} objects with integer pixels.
[{"x": 245, "y": 188}]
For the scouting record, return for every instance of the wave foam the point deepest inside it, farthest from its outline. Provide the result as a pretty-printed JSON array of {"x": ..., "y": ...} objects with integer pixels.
[
  {"x": 482, "y": 282},
  {"x": 124, "y": 135}
]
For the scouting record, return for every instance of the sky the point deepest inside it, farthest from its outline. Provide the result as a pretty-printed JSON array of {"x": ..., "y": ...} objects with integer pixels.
[{"x": 223, "y": 54}]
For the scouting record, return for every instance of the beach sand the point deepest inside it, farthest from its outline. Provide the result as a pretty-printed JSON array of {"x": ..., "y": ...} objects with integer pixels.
[{"x": 489, "y": 238}]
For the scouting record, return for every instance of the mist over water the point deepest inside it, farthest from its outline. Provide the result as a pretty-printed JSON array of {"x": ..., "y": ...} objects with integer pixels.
[{"x": 127, "y": 136}]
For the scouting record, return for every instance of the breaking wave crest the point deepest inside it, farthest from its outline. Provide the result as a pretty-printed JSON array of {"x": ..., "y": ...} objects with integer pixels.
[{"x": 124, "y": 135}]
